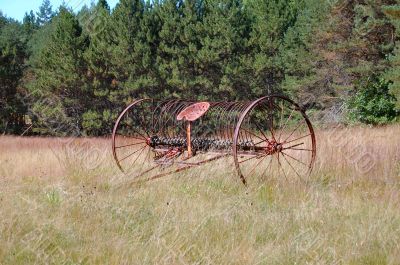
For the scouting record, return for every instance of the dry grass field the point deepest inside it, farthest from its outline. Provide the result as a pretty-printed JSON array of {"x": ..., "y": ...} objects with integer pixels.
[{"x": 63, "y": 201}]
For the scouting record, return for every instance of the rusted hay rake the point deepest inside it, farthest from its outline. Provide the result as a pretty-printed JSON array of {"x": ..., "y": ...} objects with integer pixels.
[{"x": 270, "y": 136}]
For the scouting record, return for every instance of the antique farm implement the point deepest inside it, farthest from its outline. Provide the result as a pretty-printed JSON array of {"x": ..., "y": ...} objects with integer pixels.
[{"x": 270, "y": 136}]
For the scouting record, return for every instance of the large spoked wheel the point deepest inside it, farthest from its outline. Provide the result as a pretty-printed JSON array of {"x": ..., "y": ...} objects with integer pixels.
[
  {"x": 274, "y": 139},
  {"x": 130, "y": 139}
]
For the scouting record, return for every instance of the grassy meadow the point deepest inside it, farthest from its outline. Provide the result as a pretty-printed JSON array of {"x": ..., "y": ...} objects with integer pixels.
[{"x": 63, "y": 201}]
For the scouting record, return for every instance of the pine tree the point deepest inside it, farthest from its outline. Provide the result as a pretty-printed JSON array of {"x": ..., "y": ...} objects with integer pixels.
[
  {"x": 97, "y": 119},
  {"x": 12, "y": 56},
  {"x": 393, "y": 73},
  {"x": 190, "y": 26},
  {"x": 3, "y": 20},
  {"x": 177, "y": 55},
  {"x": 82, "y": 70},
  {"x": 170, "y": 46},
  {"x": 135, "y": 42},
  {"x": 296, "y": 53},
  {"x": 29, "y": 24},
  {"x": 272, "y": 20},
  {"x": 45, "y": 13},
  {"x": 60, "y": 88},
  {"x": 221, "y": 58},
  {"x": 351, "y": 45}
]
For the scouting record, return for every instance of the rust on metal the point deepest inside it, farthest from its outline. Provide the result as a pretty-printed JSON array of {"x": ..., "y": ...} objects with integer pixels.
[
  {"x": 269, "y": 136},
  {"x": 188, "y": 138}
]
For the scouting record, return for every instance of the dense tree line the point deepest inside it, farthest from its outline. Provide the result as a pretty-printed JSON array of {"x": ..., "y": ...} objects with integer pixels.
[{"x": 81, "y": 67}]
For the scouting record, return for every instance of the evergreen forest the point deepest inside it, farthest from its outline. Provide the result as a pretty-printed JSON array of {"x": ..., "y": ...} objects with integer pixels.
[{"x": 82, "y": 67}]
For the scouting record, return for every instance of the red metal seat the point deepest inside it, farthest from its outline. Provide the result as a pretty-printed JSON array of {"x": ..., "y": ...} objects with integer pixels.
[{"x": 194, "y": 111}]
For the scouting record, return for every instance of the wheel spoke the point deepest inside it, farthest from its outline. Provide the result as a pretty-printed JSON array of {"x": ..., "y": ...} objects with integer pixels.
[
  {"x": 136, "y": 131},
  {"x": 298, "y": 126},
  {"x": 292, "y": 146},
  {"x": 266, "y": 140},
  {"x": 281, "y": 167},
  {"x": 268, "y": 166},
  {"x": 284, "y": 156},
  {"x": 271, "y": 128},
  {"x": 271, "y": 118},
  {"x": 302, "y": 137},
  {"x": 256, "y": 165},
  {"x": 138, "y": 157},
  {"x": 132, "y": 154},
  {"x": 253, "y": 134},
  {"x": 251, "y": 158},
  {"x": 295, "y": 159},
  {"x": 147, "y": 157},
  {"x": 280, "y": 120},
  {"x": 257, "y": 125},
  {"x": 286, "y": 122},
  {"x": 144, "y": 137},
  {"x": 299, "y": 149}
]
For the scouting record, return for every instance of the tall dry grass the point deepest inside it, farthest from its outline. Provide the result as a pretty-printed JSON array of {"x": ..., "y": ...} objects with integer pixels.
[{"x": 62, "y": 201}]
